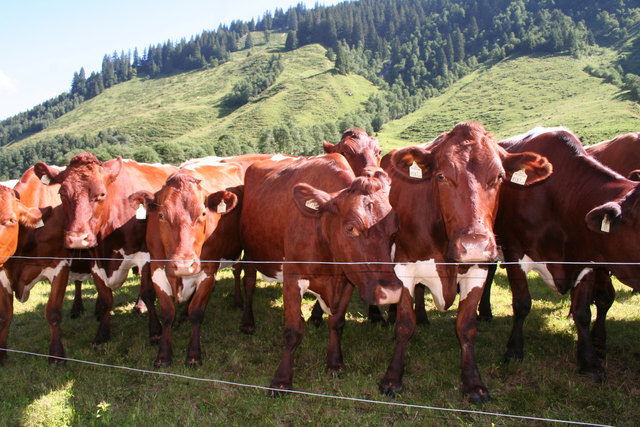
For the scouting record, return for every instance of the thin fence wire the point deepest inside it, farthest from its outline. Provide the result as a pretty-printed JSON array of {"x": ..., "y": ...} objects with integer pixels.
[{"x": 311, "y": 394}]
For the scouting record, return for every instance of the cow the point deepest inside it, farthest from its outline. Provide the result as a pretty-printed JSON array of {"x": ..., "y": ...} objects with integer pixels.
[
  {"x": 622, "y": 154},
  {"x": 446, "y": 196},
  {"x": 15, "y": 218},
  {"x": 34, "y": 193},
  {"x": 97, "y": 217},
  {"x": 311, "y": 224},
  {"x": 191, "y": 219},
  {"x": 585, "y": 214}
]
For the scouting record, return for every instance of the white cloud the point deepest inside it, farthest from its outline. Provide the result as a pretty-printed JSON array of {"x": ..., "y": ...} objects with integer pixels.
[{"x": 7, "y": 84}]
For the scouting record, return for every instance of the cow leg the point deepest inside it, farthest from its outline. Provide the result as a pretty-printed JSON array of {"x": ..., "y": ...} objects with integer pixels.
[
  {"x": 581, "y": 298},
  {"x": 6, "y": 315},
  {"x": 293, "y": 330},
  {"x": 342, "y": 297},
  {"x": 148, "y": 297},
  {"x": 484, "y": 309},
  {"x": 521, "y": 300},
  {"x": 391, "y": 383},
  {"x": 196, "y": 314},
  {"x": 421, "y": 311},
  {"x": 53, "y": 314},
  {"x": 248, "y": 324},
  {"x": 466, "y": 329},
  {"x": 104, "y": 304},
  {"x": 603, "y": 296},
  {"x": 316, "y": 315},
  {"x": 167, "y": 316},
  {"x": 78, "y": 307},
  {"x": 237, "y": 285}
]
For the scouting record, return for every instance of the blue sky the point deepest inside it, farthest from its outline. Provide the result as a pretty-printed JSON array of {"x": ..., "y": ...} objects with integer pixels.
[{"x": 43, "y": 42}]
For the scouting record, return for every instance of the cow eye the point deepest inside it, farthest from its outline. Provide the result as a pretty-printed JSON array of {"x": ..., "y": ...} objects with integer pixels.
[
  {"x": 9, "y": 222},
  {"x": 161, "y": 216},
  {"x": 440, "y": 177},
  {"x": 352, "y": 231},
  {"x": 500, "y": 176},
  {"x": 100, "y": 197},
  {"x": 203, "y": 214}
]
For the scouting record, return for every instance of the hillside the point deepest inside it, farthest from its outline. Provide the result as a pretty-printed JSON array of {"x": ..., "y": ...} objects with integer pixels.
[
  {"x": 188, "y": 108},
  {"x": 519, "y": 93}
]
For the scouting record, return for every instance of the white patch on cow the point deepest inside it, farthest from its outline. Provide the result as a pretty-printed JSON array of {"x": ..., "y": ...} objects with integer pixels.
[
  {"x": 472, "y": 279},
  {"x": 117, "y": 278},
  {"x": 203, "y": 161},
  {"x": 279, "y": 157},
  {"x": 422, "y": 272},
  {"x": 159, "y": 278},
  {"x": 303, "y": 284},
  {"x": 190, "y": 284},
  {"x": 583, "y": 273},
  {"x": 48, "y": 273},
  {"x": 278, "y": 278},
  {"x": 390, "y": 297},
  {"x": 10, "y": 183},
  {"x": 393, "y": 251},
  {"x": 4, "y": 280},
  {"x": 527, "y": 264}
]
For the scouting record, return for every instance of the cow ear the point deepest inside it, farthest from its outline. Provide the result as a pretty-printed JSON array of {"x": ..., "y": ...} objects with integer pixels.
[
  {"x": 45, "y": 173},
  {"x": 112, "y": 168},
  {"x": 413, "y": 163},
  {"x": 526, "y": 168},
  {"x": 221, "y": 202},
  {"x": 329, "y": 147},
  {"x": 29, "y": 217},
  {"x": 144, "y": 198},
  {"x": 310, "y": 200},
  {"x": 604, "y": 218},
  {"x": 634, "y": 175}
]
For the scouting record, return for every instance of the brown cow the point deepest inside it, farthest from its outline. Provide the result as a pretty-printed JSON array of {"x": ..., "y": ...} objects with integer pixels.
[
  {"x": 191, "y": 218},
  {"x": 585, "y": 213},
  {"x": 622, "y": 153},
  {"x": 313, "y": 210},
  {"x": 98, "y": 217},
  {"x": 13, "y": 216},
  {"x": 446, "y": 197}
]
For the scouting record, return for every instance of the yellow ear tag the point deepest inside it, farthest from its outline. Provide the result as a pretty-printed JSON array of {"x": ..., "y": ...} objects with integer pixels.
[
  {"x": 415, "y": 171},
  {"x": 605, "y": 227},
  {"x": 222, "y": 207},
  {"x": 312, "y": 204},
  {"x": 141, "y": 212},
  {"x": 519, "y": 177}
]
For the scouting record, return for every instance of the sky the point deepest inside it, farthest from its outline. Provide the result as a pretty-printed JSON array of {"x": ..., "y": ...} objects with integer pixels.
[{"x": 43, "y": 42}]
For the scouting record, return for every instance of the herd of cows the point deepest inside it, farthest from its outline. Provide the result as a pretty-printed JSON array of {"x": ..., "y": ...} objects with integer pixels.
[{"x": 435, "y": 214}]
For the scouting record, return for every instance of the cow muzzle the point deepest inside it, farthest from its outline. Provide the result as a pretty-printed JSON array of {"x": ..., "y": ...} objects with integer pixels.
[
  {"x": 79, "y": 240},
  {"x": 183, "y": 267},
  {"x": 474, "y": 247}
]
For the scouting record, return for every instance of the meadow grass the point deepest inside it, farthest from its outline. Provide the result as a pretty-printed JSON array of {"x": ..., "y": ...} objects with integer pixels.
[{"x": 545, "y": 384}]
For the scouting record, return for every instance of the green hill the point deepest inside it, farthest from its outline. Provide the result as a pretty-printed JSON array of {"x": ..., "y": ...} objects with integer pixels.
[
  {"x": 187, "y": 107},
  {"x": 518, "y": 94}
]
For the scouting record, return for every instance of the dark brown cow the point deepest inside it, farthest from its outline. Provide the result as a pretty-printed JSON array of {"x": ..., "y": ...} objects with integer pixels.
[
  {"x": 313, "y": 210},
  {"x": 583, "y": 213},
  {"x": 13, "y": 216},
  {"x": 34, "y": 193},
  {"x": 361, "y": 150},
  {"x": 191, "y": 218},
  {"x": 446, "y": 196},
  {"x": 622, "y": 153},
  {"x": 98, "y": 217}
]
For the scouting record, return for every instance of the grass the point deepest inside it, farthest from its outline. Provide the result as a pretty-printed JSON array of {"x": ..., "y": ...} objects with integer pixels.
[
  {"x": 545, "y": 385},
  {"x": 517, "y": 94}
]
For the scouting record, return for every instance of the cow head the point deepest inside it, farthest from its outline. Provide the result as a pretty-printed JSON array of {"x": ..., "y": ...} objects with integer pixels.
[
  {"x": 84, "y": 190},
  {"x": 360, "y": 149},
  {"x": 182, "y": 215},
  {"x": 357, "y": 225},
  {"x": 461, "y": 172},
  {"x": 12, "y": 214}
]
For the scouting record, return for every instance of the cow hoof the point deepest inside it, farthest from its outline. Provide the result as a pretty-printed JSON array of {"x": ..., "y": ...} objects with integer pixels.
[
  {"x": 97, "y": 346},
  {"x": 194, "y": 361},
  {"x": 422, "y": 322},
  {"x": 598, "y": 376},
  {"x": 337, "y": 372},
  {"x": 248, "y": 330},
  {"x": 479, "y": 395},
  {"x": 140, "y": 307},
  {"x": 161, "y": 363},
  {"x": 315, "y": 321},
  {"x": 56, "y": 360},
  {"x": 484, "y": 317},
  {"x": 278, "y": 390},
  {"x": 513, "y": 355},
  {"x": 75, "y": 313},
  {"x": 390, "y": 389},
  {"x": 155, "y": 339}
]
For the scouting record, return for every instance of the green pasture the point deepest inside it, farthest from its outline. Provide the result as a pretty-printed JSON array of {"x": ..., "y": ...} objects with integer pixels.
[{"x": 544, "y": 385}]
